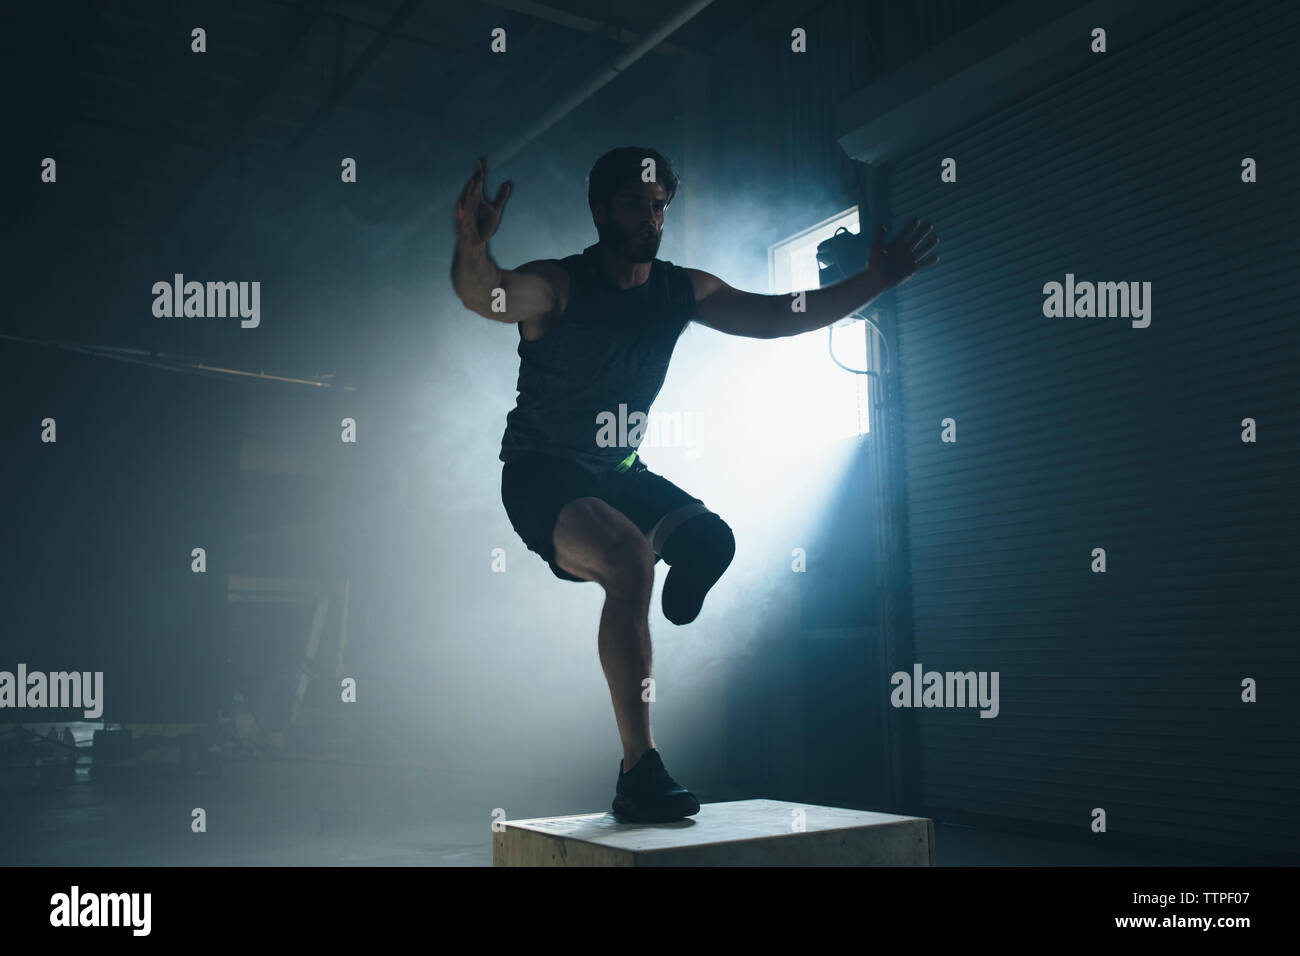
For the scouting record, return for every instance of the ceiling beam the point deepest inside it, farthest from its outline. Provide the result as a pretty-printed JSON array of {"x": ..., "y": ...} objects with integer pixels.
[
  {"x": 243, "y": 104},
  {"x": 574, "y": 21},
  {"x": 342, "y": 87},
  {"x": 360, "y": 65}
]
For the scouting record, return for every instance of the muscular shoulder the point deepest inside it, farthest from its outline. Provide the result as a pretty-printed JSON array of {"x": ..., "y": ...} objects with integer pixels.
[
  {"x": 703, "y": 284},
  {"x": 552, "y": 270},
  {"x": 556, "y": 275}
]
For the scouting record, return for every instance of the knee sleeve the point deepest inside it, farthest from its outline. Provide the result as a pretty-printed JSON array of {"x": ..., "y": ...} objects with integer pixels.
[
  {"x": 698, "y": 551},
  {"x": 702, "y": 534}
]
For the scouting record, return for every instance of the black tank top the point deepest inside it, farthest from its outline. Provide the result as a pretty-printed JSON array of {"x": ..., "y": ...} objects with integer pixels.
[{"x": 610, "y": 348}]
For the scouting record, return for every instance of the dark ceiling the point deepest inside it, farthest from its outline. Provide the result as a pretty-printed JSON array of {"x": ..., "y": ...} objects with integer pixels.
[{"x": 144, "y": 127}]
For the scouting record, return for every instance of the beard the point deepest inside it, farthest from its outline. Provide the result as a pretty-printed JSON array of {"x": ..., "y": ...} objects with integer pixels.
[{"x": 629, "y": 245}]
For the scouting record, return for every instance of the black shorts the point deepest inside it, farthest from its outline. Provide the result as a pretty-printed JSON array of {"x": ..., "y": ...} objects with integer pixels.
[{"x": 536, "y": 487}]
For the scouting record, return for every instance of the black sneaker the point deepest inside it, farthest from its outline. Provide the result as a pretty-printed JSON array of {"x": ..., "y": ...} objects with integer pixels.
[{"x": 648, "y": 794}]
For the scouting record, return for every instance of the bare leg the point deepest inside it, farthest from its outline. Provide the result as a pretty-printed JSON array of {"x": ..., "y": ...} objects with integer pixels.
[{"x": 597, "y": 542}]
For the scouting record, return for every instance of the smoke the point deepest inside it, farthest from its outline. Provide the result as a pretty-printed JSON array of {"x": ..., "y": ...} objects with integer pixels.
[{"x": 499, "y": 669}]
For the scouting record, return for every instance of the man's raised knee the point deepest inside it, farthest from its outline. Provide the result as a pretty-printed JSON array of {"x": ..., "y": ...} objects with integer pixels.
[{"x": 628, "y": 565}]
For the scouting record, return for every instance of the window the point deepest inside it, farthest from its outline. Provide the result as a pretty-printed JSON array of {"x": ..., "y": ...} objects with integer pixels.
[{"x": 839, "y": 403}]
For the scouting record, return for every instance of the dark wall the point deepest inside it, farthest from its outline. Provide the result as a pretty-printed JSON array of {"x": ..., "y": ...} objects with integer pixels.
[{"x": 100, "y": 525}]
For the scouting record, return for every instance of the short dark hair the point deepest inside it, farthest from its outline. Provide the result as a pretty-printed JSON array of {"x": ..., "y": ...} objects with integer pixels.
[{"x": 620, "y": 165}]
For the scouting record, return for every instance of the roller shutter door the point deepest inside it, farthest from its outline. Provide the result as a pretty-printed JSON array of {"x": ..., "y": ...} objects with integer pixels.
[{"x": 1119, "y": 690}]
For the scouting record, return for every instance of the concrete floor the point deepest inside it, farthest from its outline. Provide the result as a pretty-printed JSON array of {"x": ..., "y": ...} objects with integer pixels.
[{"x": 301, "y": 812}]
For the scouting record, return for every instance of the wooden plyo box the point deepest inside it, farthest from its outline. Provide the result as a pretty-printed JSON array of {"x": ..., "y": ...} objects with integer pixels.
[{"x": 739, "y": 833}]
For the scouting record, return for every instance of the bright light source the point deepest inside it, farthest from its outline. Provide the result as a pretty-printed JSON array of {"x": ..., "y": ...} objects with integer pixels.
[{"x": 829, "y": 403}]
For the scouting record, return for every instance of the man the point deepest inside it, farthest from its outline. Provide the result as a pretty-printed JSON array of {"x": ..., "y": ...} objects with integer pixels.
[{"x": 596, "y": 332}]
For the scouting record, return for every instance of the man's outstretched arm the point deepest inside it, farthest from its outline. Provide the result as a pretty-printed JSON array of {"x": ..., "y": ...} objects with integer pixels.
[{"x": 734, "y": 312}]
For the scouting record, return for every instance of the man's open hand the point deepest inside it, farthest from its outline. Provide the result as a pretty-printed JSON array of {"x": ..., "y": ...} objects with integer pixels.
[
  {"x": 476, "y": 218},
  {"x": 911, "y": 251}
]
